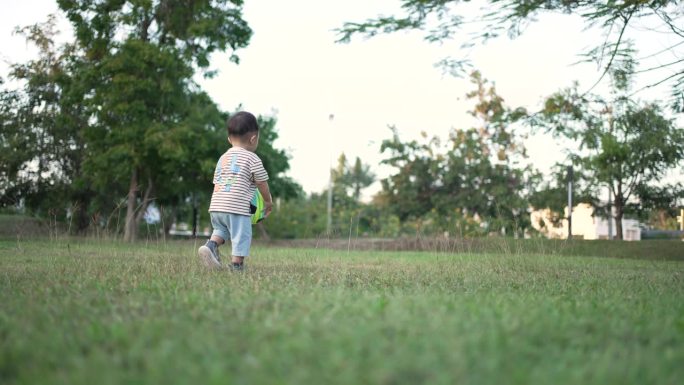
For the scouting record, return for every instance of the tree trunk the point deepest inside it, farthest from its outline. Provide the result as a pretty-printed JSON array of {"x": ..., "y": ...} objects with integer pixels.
[
  {"x": 147, "y": 198},
  {"x": 194, "y": 215},
  {"x": 81, "y": 214},
  {"x": 619, "y": 212},
  {"x": 618, "y": 222},
  {"x": 194, "y": 220},
  {"x": 130, "y": 228}
]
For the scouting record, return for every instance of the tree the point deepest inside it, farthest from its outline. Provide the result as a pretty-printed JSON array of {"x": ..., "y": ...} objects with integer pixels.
[
  {"x": 142, "y": 55},
  {"x": 485, "y": 165},
  {"x": 360, "y": 177},
  {"x": 552, "y": 193},
  {"x": 276, "y": 161},
  {"x": 186, "y": 171},
  {"x": 409, "y": 192},
  {"x": 41, "y": 138},
  {"x": 477, "y": 174},
  {"x": 116, "y": 113},
  {"x": 624, "y": 144},
  {"x": 348, "y": 180},
  {"x": 443, "y": 20},
  {"x": 11, "y": 140},
  {"x": 659, "y": 206}
]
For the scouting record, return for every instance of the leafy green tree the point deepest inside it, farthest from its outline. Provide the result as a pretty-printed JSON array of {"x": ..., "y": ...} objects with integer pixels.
[
  {"x": 189, "y": 152},
  {"x": 118, "y": 113},
  {"x": 142, "y": 55},
  {"x": 349, "y": 180},
  {"x": 299, "y": 217},
  {"x": 11, "y": 141},
  {"x": 276, "y": 161},
  {"x": 341, "y": 201},
  {"x": 624, "y": 144},
  {"x": 360, "y": 177},
  {"x": 41, "y": 138},
  {"x": 486, "y": 163},
  {"x": 659, "y": 206},
  {"x": 409, "y": 191},
  {"x": 443, "y": 20},
  {"x": 552, "y": 193},
  {"x": 478, "y": 174}
]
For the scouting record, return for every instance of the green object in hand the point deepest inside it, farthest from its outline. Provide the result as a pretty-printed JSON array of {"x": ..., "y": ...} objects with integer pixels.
[{"x": 256, "y": 207}]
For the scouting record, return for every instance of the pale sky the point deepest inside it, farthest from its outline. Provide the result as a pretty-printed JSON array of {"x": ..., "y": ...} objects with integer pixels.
[{"x": 293, "y": 69}]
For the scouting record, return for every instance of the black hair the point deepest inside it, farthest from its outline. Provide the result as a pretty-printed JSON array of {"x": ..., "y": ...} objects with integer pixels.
[{"x": 242, "y": 123}]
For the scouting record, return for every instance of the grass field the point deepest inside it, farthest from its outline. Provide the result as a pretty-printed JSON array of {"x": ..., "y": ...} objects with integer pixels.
[{"x": 87, "y": 312}]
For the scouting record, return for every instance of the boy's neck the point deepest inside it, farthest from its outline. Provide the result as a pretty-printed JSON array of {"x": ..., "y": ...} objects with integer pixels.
[
  {"x": 242, "y": 146},
  {"x": 244, "y": 143}
]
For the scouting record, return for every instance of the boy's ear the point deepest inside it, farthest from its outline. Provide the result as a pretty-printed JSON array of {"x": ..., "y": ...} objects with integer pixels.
[{"x": 229, "y": 140}]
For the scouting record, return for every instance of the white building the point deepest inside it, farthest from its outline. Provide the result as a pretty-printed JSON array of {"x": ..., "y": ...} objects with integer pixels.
[{"x": 584, "y": 225}]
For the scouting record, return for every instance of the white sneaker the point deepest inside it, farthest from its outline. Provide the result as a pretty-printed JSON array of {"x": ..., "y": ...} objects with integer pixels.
[{"x": 208, "y": 257}]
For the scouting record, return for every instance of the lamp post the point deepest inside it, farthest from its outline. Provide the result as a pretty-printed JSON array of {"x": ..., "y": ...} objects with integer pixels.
[
  {"x": 331, "y": 118},
  {"x": 570, "y": 176},
  {"x": 610, "y": 213}
]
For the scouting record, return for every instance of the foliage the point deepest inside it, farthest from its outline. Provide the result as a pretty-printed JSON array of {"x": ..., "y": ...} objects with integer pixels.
[
  {"x": 477, "y": 177},
  {"x": 552, "y": 194},
  {"x": 116, "y": 112},
  {"x": 42, "y": 136},
  {"x": 141, "y": 56},
  {"x": 659, "y": 206},
  {"x": 444, "y": 20},
  {"x": 302, "y": 217},
  {"x": 349, "y": 180},
  {"x": 623, "y": 144},
  {"x": 276, "y": 161},
  {"x": 306, "y": 217},
  {"x": 194, "y": 29}
]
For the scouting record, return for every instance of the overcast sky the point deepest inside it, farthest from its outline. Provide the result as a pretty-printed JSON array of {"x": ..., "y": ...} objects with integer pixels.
[{"x": 293, "y": 69}]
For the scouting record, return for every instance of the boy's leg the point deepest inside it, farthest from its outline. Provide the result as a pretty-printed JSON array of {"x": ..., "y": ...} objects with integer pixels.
[
  {"x": 209, "y": 251},
  {"x": 219, "y": 241},
  {"x": 241, "y": 239},
  {"x": 238, "y": 263}
]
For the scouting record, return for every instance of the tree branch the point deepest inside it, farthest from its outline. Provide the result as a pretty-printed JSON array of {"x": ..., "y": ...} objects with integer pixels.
[
  {"x": 658, "y": 67},
  {"x": 617, "y": 47},
  {"x": 661, "y": 51},
  {"x": 668, "y": 21},
  {"x": 656, "y": 83},
  {"x": 632, "y": 185},
  {"x": 146, "y": 199}
]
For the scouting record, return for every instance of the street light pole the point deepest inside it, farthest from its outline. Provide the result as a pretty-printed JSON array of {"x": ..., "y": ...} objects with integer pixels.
[
  {"x": 331, "y": 117},
  {"x": 610, "y": 213},
  {"x": 570, "y": 177}
]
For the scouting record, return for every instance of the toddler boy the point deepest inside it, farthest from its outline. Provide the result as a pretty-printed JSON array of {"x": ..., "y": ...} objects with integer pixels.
[{"x": 238, "y": 173}]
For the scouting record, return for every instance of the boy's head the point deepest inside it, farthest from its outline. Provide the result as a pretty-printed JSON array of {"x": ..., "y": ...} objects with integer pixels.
[{"x": 243, "y": 130}]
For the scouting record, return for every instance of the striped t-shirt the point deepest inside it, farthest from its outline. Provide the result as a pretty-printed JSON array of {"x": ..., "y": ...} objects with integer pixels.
[{"x": 234, "y": 181}]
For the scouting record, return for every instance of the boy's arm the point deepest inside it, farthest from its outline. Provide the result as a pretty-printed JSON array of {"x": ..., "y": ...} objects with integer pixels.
[{"x": 266, "y": 194}]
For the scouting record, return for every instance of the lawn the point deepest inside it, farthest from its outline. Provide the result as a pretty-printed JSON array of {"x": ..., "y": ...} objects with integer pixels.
[{"x": 94, "y": 312}]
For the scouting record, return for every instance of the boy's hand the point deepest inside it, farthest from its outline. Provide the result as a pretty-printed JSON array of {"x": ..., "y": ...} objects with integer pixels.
[
  {"x": 268, "y": 206},
  {"x": 268, "y": 199}
]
